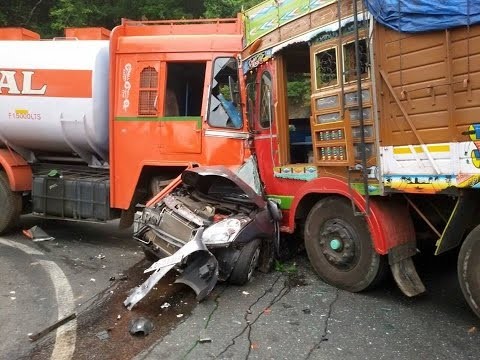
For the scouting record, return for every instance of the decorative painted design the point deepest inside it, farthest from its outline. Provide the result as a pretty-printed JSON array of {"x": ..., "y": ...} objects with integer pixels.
[
  {"x": 256, "y": 60},
  {"x": 474, "y": 133},
  {"x": 304, "y": 173},
  {"x": 126, "y": 73},
  {"x": 409, "y": 169},
  {"x": 271, "y": 14},
  {"x": 373, "y": 189},
  {"x": 430, "y": 184},
  {"x": 285, "y": 202}
]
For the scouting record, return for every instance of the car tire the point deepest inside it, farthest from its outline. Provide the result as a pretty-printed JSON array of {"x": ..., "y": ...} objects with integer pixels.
[
  {"x": 11, "y": 205},
  {"x": 340, "y": 248},
  {"x": 469, "y": 270},
  {"x": 246, "y": 264}
]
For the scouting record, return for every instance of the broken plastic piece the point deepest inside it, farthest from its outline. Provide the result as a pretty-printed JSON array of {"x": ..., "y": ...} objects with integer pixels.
[
  {"x": 140, "y": 326},
  {"x": 191, "y": 275},
  {"x": 37, "y": 234}
]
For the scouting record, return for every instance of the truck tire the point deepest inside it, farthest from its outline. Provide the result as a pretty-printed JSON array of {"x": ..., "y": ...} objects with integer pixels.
[
  {"x": 11, "y": 205},
  {"x": 246, "y": 264},
  {"x": 340, "y": 248},
  {"x": 469, "y": 269}
]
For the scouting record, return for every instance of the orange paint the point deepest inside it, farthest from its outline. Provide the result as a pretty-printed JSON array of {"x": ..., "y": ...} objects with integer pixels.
[
  {"x": 159, "y": 139},
  {"x": 17, "y": 33},
  {"x": 89, "y": 33},
  {"x": 46, "y": 82},
  {"x": 18, "y": 171}
]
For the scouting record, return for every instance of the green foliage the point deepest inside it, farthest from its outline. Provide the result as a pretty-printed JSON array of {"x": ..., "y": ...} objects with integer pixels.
[
  {"x": 51, "y": 17},
  {"x": 227, "y": 8},
  {"x": 285, "y": 268},
  {"x": 298, "y": 89}
]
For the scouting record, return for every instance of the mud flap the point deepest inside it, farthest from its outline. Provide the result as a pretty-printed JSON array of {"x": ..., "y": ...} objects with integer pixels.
[
  {"x": 201, "y": 274},
  {"x": 163, "y": 266},
  {"x": 403, "y": 269}
]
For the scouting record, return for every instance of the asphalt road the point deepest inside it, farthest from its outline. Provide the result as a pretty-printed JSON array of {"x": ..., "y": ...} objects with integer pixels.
[
  {"x": 296, "y": 316},
  {"x": 42, "y": 282},
  {"x": 278, "y": 315}
]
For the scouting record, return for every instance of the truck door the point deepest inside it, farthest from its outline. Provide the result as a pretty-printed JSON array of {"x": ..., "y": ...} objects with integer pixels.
[
  {"x": 181, "y": 123},
  {"x": 262, "y": 120}
]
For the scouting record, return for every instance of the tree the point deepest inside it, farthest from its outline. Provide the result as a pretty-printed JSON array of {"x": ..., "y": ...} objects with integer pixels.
[{"x": 227, "y": 8}]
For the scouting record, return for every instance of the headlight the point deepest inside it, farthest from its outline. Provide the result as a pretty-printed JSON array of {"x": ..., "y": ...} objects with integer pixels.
[{"x": 223, "y": 232}]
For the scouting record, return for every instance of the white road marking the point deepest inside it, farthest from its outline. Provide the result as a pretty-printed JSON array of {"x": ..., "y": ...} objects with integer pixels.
[
  {"x": 66, "y": 334},
  {"x": 24, "y": 248}
]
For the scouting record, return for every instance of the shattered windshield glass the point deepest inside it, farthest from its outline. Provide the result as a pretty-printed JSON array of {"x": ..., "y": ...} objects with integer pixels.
[
  {"x": 225, "y": 97},
  {"x": 248, "y": 172}
]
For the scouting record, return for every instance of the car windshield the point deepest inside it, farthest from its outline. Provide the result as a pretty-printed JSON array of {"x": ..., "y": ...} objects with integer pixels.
[{"x": 248, "y": 172}]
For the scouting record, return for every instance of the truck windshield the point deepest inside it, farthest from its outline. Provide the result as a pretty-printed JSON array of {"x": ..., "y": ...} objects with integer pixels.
[{"x": 224, "y": 108}]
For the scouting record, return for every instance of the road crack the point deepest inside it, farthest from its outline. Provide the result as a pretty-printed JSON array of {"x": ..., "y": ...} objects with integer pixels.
[
  {"x": 325, "y": 325},
  {"x": 248, "y": 326},
  {"x": 208, "y": 321}
]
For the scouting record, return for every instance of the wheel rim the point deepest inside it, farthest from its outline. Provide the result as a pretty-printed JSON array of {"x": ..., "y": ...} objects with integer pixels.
[
  {"x": 253, "y": 263},
  {"x": 339, "y": 244}
]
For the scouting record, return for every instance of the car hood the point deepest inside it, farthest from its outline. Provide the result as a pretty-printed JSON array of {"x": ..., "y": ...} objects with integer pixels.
[{"x": 202, "y": 179}]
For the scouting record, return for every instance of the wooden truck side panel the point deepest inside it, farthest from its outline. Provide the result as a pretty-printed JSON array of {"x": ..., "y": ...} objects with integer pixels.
[
  {"x": 436, "y": 76},
  {"x": 428, "y": 88}
]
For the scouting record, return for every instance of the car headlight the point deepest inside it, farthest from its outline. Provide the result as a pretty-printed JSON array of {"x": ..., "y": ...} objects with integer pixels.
[{"x": 223, "y": 232}]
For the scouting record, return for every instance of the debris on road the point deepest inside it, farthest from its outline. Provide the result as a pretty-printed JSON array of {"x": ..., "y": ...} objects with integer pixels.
[
  {"x": 36, "y": 234},
  {"x": 165, "y": 305},
  {"x": 472, "y": 330},
  {"x": 179, "y": 315},
  {"x": 103, "y": 335},
  {"x": 140, "y": 326},
  {"x": 52, "y": 327}
]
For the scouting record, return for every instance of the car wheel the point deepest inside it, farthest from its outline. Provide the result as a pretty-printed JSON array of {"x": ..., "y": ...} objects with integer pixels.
[
  {"x": 11, "y": 205},
  {"x": 246, "y": 264},
  {"x": 469, "y": 270},
  {"x": 340, "y": 248}
]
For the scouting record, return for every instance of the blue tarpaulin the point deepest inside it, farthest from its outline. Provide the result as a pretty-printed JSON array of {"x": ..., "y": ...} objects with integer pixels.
[{"x": 424, "y": 15}]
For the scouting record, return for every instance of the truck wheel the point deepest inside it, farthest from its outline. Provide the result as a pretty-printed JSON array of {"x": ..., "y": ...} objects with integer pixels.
[
  {"x": 339, "y": 246},
  {"x": 11, "y": 205},
  {"x": 469, "y": 269},
  {"x": 246, "y": 264}
]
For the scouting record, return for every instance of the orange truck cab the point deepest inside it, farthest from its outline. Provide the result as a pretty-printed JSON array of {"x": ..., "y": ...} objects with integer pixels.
[{"x": 90, "y": 127}]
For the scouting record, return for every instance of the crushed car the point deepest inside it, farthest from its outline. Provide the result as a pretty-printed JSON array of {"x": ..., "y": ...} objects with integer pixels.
[{"x": 214, "y": 225}]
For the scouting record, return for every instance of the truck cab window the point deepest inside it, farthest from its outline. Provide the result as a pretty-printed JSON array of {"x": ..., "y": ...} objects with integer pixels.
[
  {"x": 225, "y": 98},
  {"x": 184, "y": 92},
  {"x": 266, "y": 111},
  {"x": 148, "y": 91}
]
